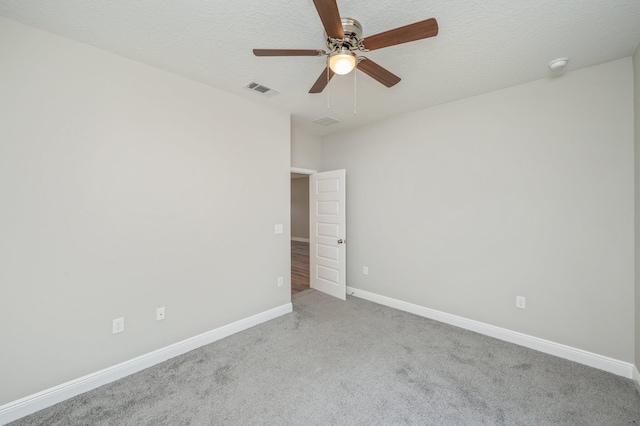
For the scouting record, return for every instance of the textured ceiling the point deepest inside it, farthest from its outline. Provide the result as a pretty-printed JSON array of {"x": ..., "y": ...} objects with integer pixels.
[{"x": 483, "y": 45}]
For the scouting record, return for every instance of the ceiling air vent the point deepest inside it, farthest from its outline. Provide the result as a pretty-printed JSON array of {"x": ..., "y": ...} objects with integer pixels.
[
  {"x": 325, "y": 121},
  {"x": 264, "y": 90}
]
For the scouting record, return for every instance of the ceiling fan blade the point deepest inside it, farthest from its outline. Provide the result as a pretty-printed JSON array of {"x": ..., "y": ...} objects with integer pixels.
[
  {"x": 416, "y": 31},
  {"x": 376, "y": 72},
  {"x": 289, "y": 52},
  {"x": 330, "y": 17},
  {"x": 322, "y": 81}
]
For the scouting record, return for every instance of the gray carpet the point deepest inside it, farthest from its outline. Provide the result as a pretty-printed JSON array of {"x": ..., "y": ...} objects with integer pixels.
[{"x": 355, "y": 363}]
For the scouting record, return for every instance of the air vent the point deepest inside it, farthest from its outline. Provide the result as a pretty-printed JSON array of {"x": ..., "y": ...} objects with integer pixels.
[
  {"x": 325, "y": 121},
  {"x": 264, "y": 90}
]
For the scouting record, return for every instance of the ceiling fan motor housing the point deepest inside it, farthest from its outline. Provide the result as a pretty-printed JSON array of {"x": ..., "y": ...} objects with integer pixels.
[
  {"x": 352, "y": 34},
  {"x": 351, "y": 27}
]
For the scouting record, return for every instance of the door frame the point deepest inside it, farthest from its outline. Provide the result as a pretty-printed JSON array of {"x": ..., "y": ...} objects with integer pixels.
[
  {"x": 303, "y": 171},
  {"x": 308, "y": 172},
  {"x": 300, "y": 171}
]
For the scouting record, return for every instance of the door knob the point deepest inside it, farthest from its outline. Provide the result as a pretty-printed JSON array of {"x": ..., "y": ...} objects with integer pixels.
[{"x": 341, "y": 241}]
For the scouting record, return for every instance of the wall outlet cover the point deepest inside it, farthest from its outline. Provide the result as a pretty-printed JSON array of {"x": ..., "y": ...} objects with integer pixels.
[{"x": 118, "y": 325}]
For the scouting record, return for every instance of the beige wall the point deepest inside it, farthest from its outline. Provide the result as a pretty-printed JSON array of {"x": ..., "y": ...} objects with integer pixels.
[
  {"x": 524, "y": 191},
  {"x": 636, "y": 91},
  {"x": 120, "y": 192},
  {"x": 300, "y": 208},
  {"x": 306, "y": 150}
]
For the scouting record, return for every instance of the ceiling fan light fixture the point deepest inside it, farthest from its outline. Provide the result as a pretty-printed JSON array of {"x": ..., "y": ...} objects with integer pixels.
[{"x": 342, "y": 61}]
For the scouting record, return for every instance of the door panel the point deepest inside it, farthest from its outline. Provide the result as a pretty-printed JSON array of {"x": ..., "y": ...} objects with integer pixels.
[
  {"x": 328, "y": 233},
  {"x": 328, "y": 252}
]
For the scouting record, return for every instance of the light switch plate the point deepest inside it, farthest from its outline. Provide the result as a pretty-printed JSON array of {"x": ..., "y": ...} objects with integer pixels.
[{"x": 279, "y": 228}]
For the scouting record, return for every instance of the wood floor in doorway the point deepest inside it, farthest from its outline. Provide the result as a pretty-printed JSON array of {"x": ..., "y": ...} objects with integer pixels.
[{"x": 299, "y": 266}]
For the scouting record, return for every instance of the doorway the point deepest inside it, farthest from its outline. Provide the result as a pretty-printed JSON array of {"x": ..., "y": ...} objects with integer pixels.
[
  {"x": 299, "y": 232},
  {"x": 318, "y": 231}
]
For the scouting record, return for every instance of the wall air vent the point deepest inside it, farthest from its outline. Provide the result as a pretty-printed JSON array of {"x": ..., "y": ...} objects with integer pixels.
[
  {"x": 325, "y": 121},
  {"x": 264, "y": 90}
]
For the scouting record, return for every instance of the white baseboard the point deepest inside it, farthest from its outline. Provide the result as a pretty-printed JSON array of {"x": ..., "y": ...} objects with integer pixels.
[
  {"x": 601, "y": 362},
  {"x": 302, "y": 240},
  {"x": 48, "y": 397},
  {"x": 636, "y": 377}
]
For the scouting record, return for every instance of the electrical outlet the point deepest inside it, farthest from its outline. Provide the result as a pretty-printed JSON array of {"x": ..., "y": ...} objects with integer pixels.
[
  {"x": 118, "y": 325},
  {"x": 160, "y": 314},
  {"x": 278, "y": 228},
  {"x": 365, "y": 270},
  {"x": 521, "y": 302},
  {"x": 280, "y": 281}
]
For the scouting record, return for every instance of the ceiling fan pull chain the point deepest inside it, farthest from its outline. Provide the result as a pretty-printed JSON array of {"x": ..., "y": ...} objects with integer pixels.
[
  {"x": 355, "y": 91},
  {"x": 328, "y": 88}
]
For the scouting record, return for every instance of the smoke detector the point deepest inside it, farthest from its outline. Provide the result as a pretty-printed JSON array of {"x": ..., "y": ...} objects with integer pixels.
[{"x": 557, "y": 64}]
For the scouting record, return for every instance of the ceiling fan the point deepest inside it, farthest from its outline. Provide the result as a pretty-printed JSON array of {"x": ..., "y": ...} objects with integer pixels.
[{"x": 344, "y": 38}]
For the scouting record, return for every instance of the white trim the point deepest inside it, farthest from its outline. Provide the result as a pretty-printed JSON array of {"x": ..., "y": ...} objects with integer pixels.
[
  {"x": 48, "y": 397},
  {"x": 303, "y": 171},
  {"x": 636, "y": 377},
  {"x": 302, "y": 240},
  {"x": 601, "y": 362}
]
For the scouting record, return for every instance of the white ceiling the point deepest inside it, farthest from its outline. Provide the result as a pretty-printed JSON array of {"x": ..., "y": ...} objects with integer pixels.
[{"x": 483, "y": 45}]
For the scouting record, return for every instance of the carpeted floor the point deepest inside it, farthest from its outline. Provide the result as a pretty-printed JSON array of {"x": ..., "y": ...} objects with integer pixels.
[{"x": 356, "y": 363}]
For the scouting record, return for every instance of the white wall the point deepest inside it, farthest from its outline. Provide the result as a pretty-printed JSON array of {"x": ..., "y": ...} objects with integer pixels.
[
  {"x": 306, "y": 150},
  {"x": 524, "y": 191},
  {"x": 300, "y": 207},
  {"x": 122, "y": 189}
]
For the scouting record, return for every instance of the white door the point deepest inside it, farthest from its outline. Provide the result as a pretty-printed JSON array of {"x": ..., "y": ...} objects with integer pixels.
[{"x": 327, "y": 233}]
